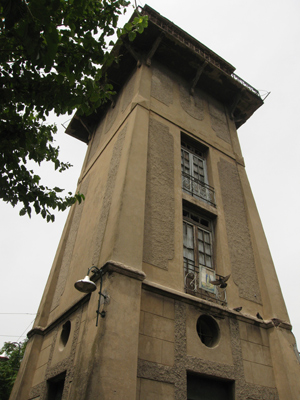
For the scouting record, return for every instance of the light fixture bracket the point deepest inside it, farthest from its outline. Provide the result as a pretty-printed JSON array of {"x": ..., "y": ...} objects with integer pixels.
[{"x": 88, "y": 288}]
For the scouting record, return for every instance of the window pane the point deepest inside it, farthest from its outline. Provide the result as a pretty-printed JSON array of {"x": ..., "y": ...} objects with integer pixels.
[
  {"x": 201, "y": 259},
  {"x": 198, "y": 168},
  {"x": 188, "y": 241},
  {"x": 206, "y": 237},
  {"x": 204, "y": 248},
  {"x": 201, "y": 247},
  {"x": 185, "y": 162},
  {"x": 189, "y": 255},
  {"x": 208, "y": 262},
  {"x": 207, "y": 249},
  {"x": 200, "y": 234},
  {"x": 189, "y": 236}
]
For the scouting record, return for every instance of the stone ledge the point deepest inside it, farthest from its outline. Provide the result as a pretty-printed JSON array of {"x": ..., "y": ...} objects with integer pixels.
[
  {"x": 40, "y": 330},
  {"x": 215, "y": 309},
  {"x": 108, "y": 267},
  {"x": 120, "y": 268}
]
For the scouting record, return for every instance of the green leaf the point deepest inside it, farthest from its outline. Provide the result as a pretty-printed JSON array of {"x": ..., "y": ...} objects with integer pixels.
[
  {"x": 50, "y": 62},
  {"x": 131, "y": 36},
  {"x": 57, "y": 189}
]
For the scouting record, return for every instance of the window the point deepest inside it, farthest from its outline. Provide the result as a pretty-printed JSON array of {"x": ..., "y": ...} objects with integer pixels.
[
  {"x": 198, "y": 261},
  {"x": 207, "y": 388},
  {"x": 64, "y": 336},
  {"x": 56, "y": 387},
  {"x": 208, "y": 330},
  {"x": 194, "y": 172},
  {"x": 197, "y": 240}
]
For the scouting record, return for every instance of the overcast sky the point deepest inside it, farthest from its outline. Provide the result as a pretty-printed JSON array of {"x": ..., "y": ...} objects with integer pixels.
[{"x": 261, "y": 39}]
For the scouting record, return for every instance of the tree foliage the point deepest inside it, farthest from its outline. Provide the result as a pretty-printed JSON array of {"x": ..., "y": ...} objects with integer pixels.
[
  {"x": 11, "y": 356},
  {"x": 51, "y": 54}
]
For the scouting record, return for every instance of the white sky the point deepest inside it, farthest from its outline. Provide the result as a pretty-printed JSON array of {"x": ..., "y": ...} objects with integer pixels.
[{"x": 261, "y": 39}]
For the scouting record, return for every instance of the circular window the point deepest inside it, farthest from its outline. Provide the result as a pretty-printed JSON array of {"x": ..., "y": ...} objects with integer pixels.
[
  {"x": 208, "y": 330},
  {"x": 64, "y": 336}
]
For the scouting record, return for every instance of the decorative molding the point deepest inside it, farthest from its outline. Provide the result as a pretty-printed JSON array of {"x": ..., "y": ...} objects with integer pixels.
[
  {"x": 39, "y": 330},
  {"x": 120, "y": 268},
  {"x": 182, "y": 363},
  {"x": 241, "y": 252},
  {"x": 66, "y": 365},
  {"x": 214, "y": 309},
  {"x": 159, "y": 241}
]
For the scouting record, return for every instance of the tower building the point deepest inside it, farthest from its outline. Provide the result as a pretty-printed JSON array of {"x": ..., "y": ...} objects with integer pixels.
[{"x": 187, "y": 302}]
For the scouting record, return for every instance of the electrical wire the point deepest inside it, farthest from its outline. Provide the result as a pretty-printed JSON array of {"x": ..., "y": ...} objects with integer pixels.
[
  {"x": 22, "y": 335},
  {"x": 13, "y": 336},
  {"x": 136, "y": 5},
  {"x": 16, "y": 313}
]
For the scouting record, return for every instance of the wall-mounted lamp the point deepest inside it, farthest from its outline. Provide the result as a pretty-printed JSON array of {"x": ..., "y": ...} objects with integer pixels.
[{"x": 85, "y": 285}]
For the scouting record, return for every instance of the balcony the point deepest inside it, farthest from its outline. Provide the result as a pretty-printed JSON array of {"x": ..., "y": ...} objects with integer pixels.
[
  {"x": 197, "y": 283},
  {"x": 198, "y": 189}
]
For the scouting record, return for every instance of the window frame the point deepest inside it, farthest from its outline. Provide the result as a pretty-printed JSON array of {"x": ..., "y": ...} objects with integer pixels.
[
  {"x": 205, "y": 225},
  {"x": 209, "y": 387},
  {"x": 196, "y": 276},
  {"x": 198, "y": 155},
  {"x": 194, "y": 170}
]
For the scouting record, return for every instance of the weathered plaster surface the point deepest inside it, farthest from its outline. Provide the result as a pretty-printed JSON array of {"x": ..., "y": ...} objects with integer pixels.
[
  {"x": 192, "y": 105},
  {"x": 156, "y": 332},
  {"x": 239, "y": 241},
  {"x": 111, "y": 115},
  {"x": 148, "y": 389},
  {"x": 159, "y": 212},
  {"x": 110, "y": 185},
  {"x": 107, "y": 359},
  {"x": 96, "y": 139},
  {"x": 162, "y": 86},
  {"x": 107, "y": 120},
  {"x": 176, "y": 374},
  {"x": 219, "y": 121},
  {"x": 128, "y": 92},
  {"x": 68, "y": 253},
  {"x": 66, "y": 365}
]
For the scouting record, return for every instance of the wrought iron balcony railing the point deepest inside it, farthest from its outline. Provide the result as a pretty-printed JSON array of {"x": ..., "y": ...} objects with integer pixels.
[
  {"x": 198, "y": 189},
  {"x": 197, "y": 283}
]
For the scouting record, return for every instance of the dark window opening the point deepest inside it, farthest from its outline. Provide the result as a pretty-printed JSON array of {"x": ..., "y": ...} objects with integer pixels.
[
  {"x": 204, "y": 222},
  {"x": 65, "y": 334},
  {"x": 206, "y": 388},
  {"x": 208, "y": 330},
  {"x": 197, "y": 240},
  {"x": 194, "y": 171},
  {"x": 56, "y": 387},
  {"x": 198, "y": 257}
]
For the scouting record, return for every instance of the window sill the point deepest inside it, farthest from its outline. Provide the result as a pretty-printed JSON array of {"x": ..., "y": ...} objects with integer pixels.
[{"x": 201, "y": 204}]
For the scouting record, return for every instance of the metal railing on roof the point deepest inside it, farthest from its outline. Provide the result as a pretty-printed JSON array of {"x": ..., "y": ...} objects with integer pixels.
[
  {"x": 177, "y": 33},
  {"x": 245, "y": 84}
]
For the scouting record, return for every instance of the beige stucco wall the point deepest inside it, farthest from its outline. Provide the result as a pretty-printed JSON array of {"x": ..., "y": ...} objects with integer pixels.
[
  {"x": 132, "y": 215},
  {"x": 156, "y": 335}
]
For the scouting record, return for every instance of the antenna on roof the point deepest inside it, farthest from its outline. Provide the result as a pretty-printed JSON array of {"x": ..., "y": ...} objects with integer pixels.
[{"x": 264, "y": 94}]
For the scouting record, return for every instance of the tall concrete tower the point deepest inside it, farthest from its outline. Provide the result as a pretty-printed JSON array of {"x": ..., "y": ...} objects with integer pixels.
[{"x": 188, "y": 304}]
